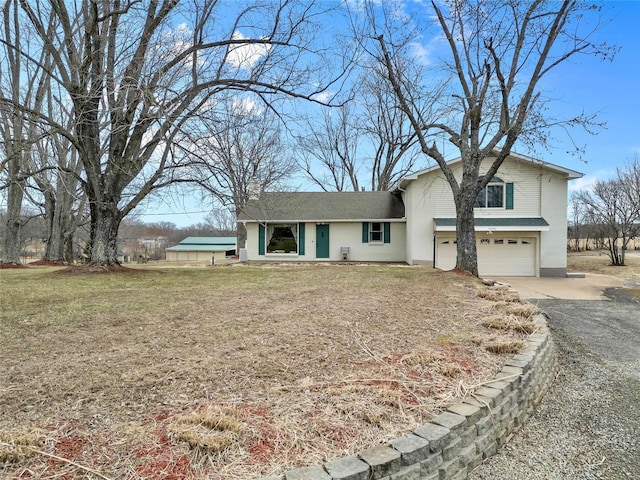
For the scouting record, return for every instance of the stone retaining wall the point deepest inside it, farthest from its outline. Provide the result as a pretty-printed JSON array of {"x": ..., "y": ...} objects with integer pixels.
[{"x": 458, "y": 440}]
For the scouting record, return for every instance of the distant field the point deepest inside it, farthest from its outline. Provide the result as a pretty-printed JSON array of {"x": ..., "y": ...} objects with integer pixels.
[{"x": 232, "y": 372}]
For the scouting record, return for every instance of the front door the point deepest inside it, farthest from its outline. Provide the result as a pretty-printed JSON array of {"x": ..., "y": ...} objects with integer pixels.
[{"x": 322, "y": 241}]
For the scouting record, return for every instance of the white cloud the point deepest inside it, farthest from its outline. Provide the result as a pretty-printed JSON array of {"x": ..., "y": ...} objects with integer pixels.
[
  {"x": 420, "y": 53},
  {"x": 323, "y": 97},
  {"x": 246, "y": 55},
  {"x": 245, "y": 106},
  {"x": 586, "y": 182}
]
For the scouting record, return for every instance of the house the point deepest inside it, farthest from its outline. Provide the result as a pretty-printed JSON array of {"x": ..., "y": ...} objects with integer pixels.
[
  {"x": 521, "y": 222},
  {"x": 202, "y": 249},
  {"x": 326, "y": 226}
]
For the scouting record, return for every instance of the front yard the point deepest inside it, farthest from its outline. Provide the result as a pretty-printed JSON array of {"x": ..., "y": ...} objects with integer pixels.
[{"x": 234, "y": 372}]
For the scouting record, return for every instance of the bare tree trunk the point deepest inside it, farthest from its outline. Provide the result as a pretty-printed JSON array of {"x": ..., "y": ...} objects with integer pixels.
[
  {"x": 61, "y": 220},
  {"x": 242, "y": 235},
  {"x": 105, "y": 222},
  {"x": 467, "y": 258},
  {"x": 13, "y": 225}
]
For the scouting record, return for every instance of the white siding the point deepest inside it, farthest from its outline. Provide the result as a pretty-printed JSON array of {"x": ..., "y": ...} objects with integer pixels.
[
  {"x": 343, "y": 234},
  {"x": 429, "y": 196},
  {"x": 553, "y": 244}
]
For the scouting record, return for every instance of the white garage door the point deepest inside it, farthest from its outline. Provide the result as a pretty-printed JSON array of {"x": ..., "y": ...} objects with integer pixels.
[{"x": 497, "y": 255}]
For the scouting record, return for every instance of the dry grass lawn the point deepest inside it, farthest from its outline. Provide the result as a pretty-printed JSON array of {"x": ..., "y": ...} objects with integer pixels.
[{"x": 234, "y": 372}]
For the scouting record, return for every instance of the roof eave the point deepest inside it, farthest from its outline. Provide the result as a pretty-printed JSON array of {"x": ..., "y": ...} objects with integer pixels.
[{"x": 521, "y": 228}]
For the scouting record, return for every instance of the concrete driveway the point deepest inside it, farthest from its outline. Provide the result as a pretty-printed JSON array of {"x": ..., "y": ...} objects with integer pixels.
[
  {"x": 588, "y": 424},
  {"x": 591, "y": 287}
]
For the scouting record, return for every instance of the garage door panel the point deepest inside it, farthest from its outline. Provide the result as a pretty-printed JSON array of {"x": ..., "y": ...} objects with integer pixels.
[{"x": 497, "y": 255}]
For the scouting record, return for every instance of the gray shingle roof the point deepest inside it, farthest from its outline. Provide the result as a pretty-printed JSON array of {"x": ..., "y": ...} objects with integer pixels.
[{"x": 323, "y": 206}]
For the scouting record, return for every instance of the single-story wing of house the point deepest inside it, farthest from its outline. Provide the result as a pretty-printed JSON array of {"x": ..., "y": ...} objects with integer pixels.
[
  {"x": 202, "y": 249},
  {"x": 520, "y": 217}
]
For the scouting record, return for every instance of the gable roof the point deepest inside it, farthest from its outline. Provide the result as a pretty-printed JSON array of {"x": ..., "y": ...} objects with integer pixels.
[
  {"x": 323, "y": 207},
  {"x": 571, "y": 174}
]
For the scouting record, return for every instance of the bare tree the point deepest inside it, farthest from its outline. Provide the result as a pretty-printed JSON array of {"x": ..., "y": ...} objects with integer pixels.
[
  {"x": 136, "y": 72},
  {"x": 385, "y": 128},
  {"x": 238, "y": 152},
  {"x": 614, "y": 208},
  {"x": 495, "y": 54},
  {"x": 366, "y": 144},
  {"x": 21, "y": 83},
  {"x": 328, "y": 152},
  {"x": 579, "y": 231},
  {"x": 57, "y": 175}
]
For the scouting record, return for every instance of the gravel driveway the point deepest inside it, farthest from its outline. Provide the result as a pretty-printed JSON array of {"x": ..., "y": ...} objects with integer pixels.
[{"x": 588, "y": 424}]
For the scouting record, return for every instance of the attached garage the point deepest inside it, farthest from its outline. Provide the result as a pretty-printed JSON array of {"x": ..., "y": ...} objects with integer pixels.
[{"x": 506, "y": 247}]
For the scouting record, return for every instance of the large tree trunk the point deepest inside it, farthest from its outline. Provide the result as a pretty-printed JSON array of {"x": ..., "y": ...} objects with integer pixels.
[
  {"x": 467, "y": 258},
  {"x": 105, "y": 222},
  {"x": 60, "y": 225},
  {"x": 242, "y": 236},
  {"x": 13, "y": 221}
]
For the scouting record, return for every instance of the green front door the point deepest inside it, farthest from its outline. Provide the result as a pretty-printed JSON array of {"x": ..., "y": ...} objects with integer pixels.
[{"x": 322, "y": 241}]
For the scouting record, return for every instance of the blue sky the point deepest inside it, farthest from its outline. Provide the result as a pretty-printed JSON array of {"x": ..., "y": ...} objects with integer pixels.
[{"x": 610, "y": 89}]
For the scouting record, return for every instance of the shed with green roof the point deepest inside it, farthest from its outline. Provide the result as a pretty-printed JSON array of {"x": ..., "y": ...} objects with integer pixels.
[{"x": 202, "y": 249}]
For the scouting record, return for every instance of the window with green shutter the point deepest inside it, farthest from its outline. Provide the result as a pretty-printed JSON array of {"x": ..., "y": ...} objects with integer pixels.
[
  {"x": 376, "y": 232},
  {"x": 497, "y": 194},
  {"x": 509, "y": 195},
  {"x": 301, "y": 226}
]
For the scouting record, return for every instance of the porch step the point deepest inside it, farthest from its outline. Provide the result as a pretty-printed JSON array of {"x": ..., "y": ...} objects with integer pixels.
[{"x": 575, "y": 275}]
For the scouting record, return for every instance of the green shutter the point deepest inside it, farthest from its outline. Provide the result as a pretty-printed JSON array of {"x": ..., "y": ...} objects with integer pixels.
[
  {"x": 509, "y": 200},
  {"x": 301, "y": 238},
  {"x": 387, "y": 232},
  {"x": 365, "y": 232},
  {"x": 261, "y": 236}
]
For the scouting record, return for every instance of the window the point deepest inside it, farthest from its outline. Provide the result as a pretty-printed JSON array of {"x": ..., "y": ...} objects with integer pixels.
[
  {"x": 375, "y": 232},
  {"x": 282, "y": 238},
  {"x": 491, "y": 196},
  {"x": 498, "y": 241},
  {"x": 497, "y": 194},
  {"x": 512, "y": 242},
  {"x": 484, "y": 241}
]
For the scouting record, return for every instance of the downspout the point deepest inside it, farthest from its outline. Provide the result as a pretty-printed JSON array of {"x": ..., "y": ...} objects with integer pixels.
[{"x": 434, "y": 251}]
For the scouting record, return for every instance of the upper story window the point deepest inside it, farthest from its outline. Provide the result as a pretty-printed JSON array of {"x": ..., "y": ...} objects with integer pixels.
[
  {"x": 497, "y": 194},
  {"x": 491, "y": 196}
]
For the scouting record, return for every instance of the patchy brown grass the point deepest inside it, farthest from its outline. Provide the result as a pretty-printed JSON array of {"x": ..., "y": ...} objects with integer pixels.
[
  {"x": 599, "y": 262},
  {"x": 232, "y": 372}
]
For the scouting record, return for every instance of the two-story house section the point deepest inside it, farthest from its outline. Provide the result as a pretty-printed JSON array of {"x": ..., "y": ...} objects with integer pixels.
[{"x": 521, "y": 218}]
